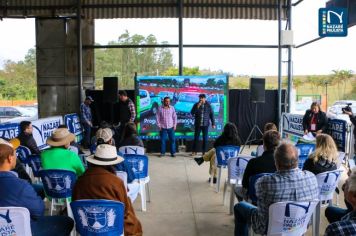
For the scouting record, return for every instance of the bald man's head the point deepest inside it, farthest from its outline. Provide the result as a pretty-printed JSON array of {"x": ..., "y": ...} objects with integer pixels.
[{"x": 286, "y": 157}]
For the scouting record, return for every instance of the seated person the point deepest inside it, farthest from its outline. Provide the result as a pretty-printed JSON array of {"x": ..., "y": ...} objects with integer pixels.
[
  {"x": 58, "y": 156},
  {"x": 347, "y": 224},
  {"x": 26, "y": 137},
  {"x": 267, "y": 127},
  {"x": 289, "y": 183},
  {"x": 262, "y": 164},
  {"x": 315, "y": 120},
  {"x": 16, "y": 192},
  {"x": 325, "y": 156},
  {"x": 105, "y": 136},
  {"x": 74, "y": 147},
  {"x": 130, "y": 137},
  {"x": 229, "y": 136},
  {"x": 100, "y": 182}
]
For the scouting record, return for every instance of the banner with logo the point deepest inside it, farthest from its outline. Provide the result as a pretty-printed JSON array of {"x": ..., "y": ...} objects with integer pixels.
[
  {"x": 292, "y": 126},
  {"x": 43, "y": 128},
  {"x": 72, "y": 121},
  {"x": 337, "y": 129},
  {"x": 9, "y": 131},
  {"x": 333, "y": 22}
]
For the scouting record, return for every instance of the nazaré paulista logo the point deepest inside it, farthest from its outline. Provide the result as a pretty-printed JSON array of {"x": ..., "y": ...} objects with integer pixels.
[{"x": 333, "y": 22}]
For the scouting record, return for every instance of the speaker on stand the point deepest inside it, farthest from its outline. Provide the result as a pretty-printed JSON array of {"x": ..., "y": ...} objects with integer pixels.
[
  {"x": 110, "y": 96},
  {"x": 257, "y": 95}
]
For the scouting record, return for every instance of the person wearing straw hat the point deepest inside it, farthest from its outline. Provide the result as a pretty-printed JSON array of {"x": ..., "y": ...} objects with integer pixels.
[
  {"x": 16, "y": 192},
  {"x": 58, "y": 156},
  {"x": 100, "y": 182}
]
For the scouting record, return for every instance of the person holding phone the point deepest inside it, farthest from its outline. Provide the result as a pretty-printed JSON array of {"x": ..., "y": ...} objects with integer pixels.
[{"x": 203, "y": 115}]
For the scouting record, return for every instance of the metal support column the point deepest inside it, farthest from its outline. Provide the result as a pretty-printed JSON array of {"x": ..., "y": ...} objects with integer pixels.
[
  {"x": 180, "y": 35},
  {"x": 79, "y": 52},
  {"x": 290, "y": 61},
  {"x": 279, "y": 61}
]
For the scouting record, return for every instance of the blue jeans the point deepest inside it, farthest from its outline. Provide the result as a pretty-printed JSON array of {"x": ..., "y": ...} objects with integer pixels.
[
  {"x": 199, "y": 129},
  {"x": 172, "y": 140},
  {"x": 52, "y": 225},
  {"x": 243, "y": 212},
  {"x": 87, "y": 131}
]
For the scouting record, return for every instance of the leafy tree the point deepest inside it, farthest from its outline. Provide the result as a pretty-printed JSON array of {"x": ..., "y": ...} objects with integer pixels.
[
  {"x": 342, "y": 77},
  {"x": 186, "y": 71},
  {"x": 126, "y": 61}
]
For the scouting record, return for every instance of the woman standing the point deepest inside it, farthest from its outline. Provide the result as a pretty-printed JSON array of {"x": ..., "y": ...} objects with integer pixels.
[{"x": 315, "y": 120}]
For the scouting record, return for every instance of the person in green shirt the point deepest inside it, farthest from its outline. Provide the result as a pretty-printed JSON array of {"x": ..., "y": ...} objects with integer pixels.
[{"x": 58, "y": 156}]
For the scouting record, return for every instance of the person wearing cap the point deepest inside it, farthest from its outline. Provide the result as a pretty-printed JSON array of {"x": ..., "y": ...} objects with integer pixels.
[
  {"x": 58, "y": 156},
  {"x": 203, "y": 114},
  {"x": 100, "y": 182},
  {"x": 26, "y": 137},
  {"x": 86, "y": 120},
  {"x": 16, "y": 192}
]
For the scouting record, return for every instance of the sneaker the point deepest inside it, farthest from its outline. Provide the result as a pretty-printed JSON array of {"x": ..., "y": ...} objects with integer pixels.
[
  {"x": 199, "y": 160},
  {"x": 173, "y": 155}
]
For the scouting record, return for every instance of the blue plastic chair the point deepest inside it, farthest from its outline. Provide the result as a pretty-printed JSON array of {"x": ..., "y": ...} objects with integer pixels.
[
  {"x": 139, "y": 166},
  {"x": 98, "y": 217},
  {"x": 252, "y": 187},
  {"x": 58, "y": 184},
  {"x": 223, "y": 153},
  {"x": 23, "y": 153},
  {"x": 35, "y": 164},
  {"x": 304, "y": 150}
]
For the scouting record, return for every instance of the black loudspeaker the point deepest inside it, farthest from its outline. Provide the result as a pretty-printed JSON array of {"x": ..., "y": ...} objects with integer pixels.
[
  {"x": 110, "y": 89},
  {"x": 257, "y": 89}
]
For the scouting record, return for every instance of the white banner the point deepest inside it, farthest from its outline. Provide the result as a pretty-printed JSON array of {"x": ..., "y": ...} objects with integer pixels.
[{"x": 43, "y": 128}]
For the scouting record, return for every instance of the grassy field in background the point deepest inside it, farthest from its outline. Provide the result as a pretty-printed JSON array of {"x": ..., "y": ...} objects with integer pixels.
[{"x": 334, "y": 93}]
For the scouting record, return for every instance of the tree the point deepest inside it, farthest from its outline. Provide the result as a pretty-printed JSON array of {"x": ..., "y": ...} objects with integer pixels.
[
  {"x": 126, "y": 61},
  {"x": 342, "y": 77},
  {"x": 186, "y": 71},
  {"x": 297, "y": 82}
]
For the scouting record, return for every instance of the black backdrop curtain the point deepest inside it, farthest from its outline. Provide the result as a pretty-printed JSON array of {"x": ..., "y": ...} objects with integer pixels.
[{"x": 242, "y": 111}]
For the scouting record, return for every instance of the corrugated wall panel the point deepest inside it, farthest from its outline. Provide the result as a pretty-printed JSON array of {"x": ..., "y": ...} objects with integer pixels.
[{"x": 107, "y": 9}]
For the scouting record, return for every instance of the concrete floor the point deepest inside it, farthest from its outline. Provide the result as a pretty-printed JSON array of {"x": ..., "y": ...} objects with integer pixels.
[{"x": 184, "y": 203}]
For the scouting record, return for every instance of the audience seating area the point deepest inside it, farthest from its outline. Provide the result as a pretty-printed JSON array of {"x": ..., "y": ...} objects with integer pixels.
[{"x": 183, "y": 202}]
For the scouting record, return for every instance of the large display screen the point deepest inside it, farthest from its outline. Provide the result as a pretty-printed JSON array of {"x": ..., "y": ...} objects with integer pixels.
[{"x": 184, "y": 93}]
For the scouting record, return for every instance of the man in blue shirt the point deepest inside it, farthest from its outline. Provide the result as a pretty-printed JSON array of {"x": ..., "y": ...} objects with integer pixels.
[
  {"x": 86, "y": 120},
  {"x": 288, "y": 183},
  {"x": 15, "y": 192}
]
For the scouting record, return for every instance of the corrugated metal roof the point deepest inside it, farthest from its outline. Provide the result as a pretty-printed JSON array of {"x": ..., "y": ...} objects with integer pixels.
[{"x": 108, "y": 9}]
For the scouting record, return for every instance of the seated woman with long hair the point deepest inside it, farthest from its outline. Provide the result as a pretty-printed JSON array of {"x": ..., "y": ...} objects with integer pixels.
[
  {"x": 130, "y": 137},
  {"x": 325, "y": 156},
  {"x": 229, "y": 136}
]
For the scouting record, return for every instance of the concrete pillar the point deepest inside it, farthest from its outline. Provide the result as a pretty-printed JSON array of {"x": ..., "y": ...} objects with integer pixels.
[{"x": 56, "y": 61}]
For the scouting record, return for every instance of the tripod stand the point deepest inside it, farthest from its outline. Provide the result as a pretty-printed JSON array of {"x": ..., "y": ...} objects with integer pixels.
[{"x": 253, "y": 134}]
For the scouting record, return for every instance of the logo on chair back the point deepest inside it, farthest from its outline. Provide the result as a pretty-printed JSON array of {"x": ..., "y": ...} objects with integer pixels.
[
  {"x": 59, "y": 183},
  {"x": 333, "y": 22},
  {"x": 329, "y": 184},
  {"x": 7, "y": 229},
  {"x": 292, "y": 219},
  {"x": 97, "y": 219}
]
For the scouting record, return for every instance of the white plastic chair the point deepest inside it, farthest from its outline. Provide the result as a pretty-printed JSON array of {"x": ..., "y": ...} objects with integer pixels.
[
  {"x": 340, "y": 159},
  {"x": 132, "y": 150},
  {"x": 259, "y": 150},
  {"x": 223, "y": 153},
  {"x": 327, "y": 183},
  {"x": 235, "y": 168},
  {"x": 290, "y": 218},
  {"x": 16, "y": 220},
  {"x": 123, "y": 176}
]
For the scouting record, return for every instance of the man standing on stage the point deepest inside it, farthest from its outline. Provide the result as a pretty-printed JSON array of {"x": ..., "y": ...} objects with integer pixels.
[
  {"x": 203, "y": 114},
  {"x": 167, "y": 123},
  {"x": 127, "y": 113},
  {"x": 86, "y": 120}
]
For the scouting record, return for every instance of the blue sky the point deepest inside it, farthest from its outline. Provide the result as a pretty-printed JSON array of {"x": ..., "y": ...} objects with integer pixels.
[{"x": 317, "y": 58}]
